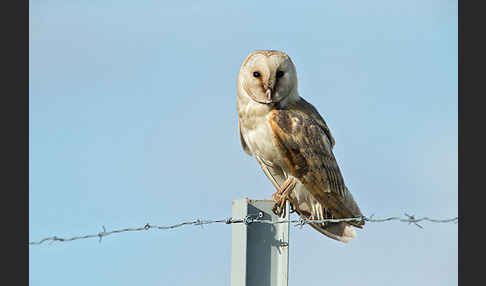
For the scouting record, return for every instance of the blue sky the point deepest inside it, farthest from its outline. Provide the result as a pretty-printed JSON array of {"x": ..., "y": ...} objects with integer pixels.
[{"x": 133, "y": 120}]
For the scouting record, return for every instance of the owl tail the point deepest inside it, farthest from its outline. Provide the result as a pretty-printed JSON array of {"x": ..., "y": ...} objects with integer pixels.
[
  {"x": 307, "y": 207},
  {"x": 340, "y": 231}
]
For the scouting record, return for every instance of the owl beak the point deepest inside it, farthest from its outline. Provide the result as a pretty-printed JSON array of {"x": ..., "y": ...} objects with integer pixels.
[{"x": 268, "y": 95}]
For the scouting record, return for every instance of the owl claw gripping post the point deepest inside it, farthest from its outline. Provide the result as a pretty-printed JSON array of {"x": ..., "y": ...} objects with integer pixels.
[{"x": 292, "y": 144}]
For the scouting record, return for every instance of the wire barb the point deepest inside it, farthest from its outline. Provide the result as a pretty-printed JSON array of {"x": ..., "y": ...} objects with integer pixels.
[
  {"x": 413, "y": 220},
  {"x": 102, "y": 233},
  {"x": 256, "y": 218}
]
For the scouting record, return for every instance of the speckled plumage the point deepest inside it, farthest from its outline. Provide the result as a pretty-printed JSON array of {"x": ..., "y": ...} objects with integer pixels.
[{"x": 290, "y": 139}]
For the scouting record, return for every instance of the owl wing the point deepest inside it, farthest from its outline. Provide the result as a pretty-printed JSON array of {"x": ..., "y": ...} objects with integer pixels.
[
  {"x": 305, "y": 107},
  {"x": 305, "y": 142},
  {"x": 243, "y": 143}
]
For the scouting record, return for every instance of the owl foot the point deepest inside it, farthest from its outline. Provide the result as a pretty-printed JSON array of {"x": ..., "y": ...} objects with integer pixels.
[
  {"x": 276, "y": 197},
  {"x": 282, "y": 196}
]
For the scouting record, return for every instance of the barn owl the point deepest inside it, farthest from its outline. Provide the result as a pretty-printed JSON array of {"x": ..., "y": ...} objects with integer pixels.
[{"x": 292, "y": 144}]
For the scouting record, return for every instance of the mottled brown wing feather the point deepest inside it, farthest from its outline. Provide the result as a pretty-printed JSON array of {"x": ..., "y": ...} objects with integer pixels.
[
  {"x": 304, "y": 144},
  {"x": 305, "y": 107}
]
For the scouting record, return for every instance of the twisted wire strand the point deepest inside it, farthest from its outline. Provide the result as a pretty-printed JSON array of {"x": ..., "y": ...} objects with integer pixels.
[{"x": 247, "y": 220}]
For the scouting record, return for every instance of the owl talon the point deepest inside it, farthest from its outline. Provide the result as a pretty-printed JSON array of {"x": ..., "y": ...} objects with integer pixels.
[
  {"x": 275, "y": 208},
  {"x": 292, "y": 209},
  {"x": 278, "y": 210}
]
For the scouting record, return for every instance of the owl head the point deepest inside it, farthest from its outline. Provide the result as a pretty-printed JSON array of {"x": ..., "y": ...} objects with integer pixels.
[{"x": 267, "y": 77}]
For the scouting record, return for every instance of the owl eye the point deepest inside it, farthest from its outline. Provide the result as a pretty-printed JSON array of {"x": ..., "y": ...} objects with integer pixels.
[
  {"x": 280, "y": 74},
  {"x": 256, "y": 74}
]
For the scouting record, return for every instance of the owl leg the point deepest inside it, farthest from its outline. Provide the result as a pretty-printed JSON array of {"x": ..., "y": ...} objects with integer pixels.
[
  {"x": 283, "y": 195},
  {"x": 265, "y": 167},
  {"x": 277, "y": 196},
  {"x": 267, "y": 172}
]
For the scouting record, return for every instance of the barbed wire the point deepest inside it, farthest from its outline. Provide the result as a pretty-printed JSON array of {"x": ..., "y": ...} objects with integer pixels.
[{"x": 249, "y": 219}]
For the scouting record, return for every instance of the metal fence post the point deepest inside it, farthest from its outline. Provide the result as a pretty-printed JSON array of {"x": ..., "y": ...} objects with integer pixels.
[{"x": 259, "y": 251}]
